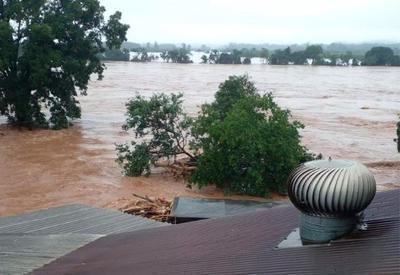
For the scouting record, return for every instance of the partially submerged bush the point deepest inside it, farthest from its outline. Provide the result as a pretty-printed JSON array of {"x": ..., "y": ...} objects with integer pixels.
[
  {"x": 247, "y": 143},
  {"x": 163, "y": 127}
]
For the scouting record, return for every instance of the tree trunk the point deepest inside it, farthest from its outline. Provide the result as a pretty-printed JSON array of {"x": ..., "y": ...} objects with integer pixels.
[{"x": 23, "y": 114}]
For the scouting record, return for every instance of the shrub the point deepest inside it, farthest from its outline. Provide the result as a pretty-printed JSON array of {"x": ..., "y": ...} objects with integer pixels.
[
  {"x": 249, "y": 145},
  {"x": 162, "y": 126},
  {"x": 243, "y": 142}
]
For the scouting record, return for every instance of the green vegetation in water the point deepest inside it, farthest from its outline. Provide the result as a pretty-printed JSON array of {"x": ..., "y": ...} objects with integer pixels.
[
  {"x": 243, "y": 142},
  {"x": 330, "y": 55},
  {"x": 381, "y": 56},
  {"x": 49, "y": 49},
  {"x": 163, "y": 125},
  {"x": 115, "y": 55},
  {"x": 180, "y": 55},
  {"x": 313, "y": 55}
]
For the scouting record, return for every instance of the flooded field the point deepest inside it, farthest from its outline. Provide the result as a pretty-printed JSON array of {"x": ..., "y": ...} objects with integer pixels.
[{"x": 348, "y": 112}]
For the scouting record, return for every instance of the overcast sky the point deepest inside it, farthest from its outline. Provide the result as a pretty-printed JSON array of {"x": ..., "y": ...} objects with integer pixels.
[{"x": 259, "y": 21}]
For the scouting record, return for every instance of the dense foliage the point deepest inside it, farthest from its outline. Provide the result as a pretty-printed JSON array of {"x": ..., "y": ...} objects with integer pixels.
[
  {"x": 217, "y": 57},
  {"x": 162, "y": 127},
  {"x": 249, "y": 145},
  {"x": 115, "y": 55},
  {"x": 381, "y": 56},
  {"x": 204, "y": 59},
  {"x": 246, "y": 60},
  {"x": 243, "y": 142},
  {"x": 281, "y": 57},
  {"x": 181, "y": 55},
  {"x": 334, "y": 54},
  {"x": 312, "y": 53},
  {"x": 48, "y": 50},
  {"x": 377, "y": 56},
  {"x": 143, "y": 56}
]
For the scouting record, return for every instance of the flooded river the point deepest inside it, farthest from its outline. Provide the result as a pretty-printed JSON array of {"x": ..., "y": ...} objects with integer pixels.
[{"x": 349, "y": 112}]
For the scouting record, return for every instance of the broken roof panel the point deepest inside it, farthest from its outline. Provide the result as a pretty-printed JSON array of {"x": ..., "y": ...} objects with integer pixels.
[{"x": 198, "y": 208}]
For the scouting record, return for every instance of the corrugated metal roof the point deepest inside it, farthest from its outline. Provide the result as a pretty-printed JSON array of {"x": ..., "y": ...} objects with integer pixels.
[
  {"x": 243, "y": 244},
  {"x": 31, "y": 240},
  {"x": 21, "y": 253},
  {"x": 75, "y": 219}
]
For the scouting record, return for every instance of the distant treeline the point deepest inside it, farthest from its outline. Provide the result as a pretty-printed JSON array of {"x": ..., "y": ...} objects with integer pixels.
[
  {"x": 358, "y": 49},
  {"x": 315, "y": 55},
  {"x": 310, "y": 55},
  {"x": 334, "y": 48}
]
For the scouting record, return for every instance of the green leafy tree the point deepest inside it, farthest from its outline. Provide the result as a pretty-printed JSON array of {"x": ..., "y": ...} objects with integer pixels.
[
  {"x": 281, "y": 57},
  {"x": 162, "y": 127},
  {"x": 48, "y": 50},
  {"x": 249, "y": 144},
  {"x": 313, "y": 51},
  {"x": 247, "y": 60},
  {"x": 379, "y": 56},
  {"x": 214, "y": 57},
  {"x": 395, "y": 60},
  {"x": 225, "y": 58},
  {"x": 298, "y": 58},
  {"x": 242, "y": 142},
  {"x": 143, "y": 56},
  {"x": 229, "y": 92},
  {"x": 164, "y": 56},
  {"x": 236, "y": 54},
  {"x": 181, "y": 55},
  {"x": 204, "y": 59}
]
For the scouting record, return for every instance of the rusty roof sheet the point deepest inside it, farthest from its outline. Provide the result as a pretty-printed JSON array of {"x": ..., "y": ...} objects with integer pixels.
[{"x": 243, "y": 244}]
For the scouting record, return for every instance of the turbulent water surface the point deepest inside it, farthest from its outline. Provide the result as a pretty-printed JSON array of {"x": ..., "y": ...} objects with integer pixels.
[{"x": 349, "y": 112}]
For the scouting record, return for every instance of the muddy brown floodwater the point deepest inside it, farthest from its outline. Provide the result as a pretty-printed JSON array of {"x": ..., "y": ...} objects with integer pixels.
[{"x": 348, "y": 113}]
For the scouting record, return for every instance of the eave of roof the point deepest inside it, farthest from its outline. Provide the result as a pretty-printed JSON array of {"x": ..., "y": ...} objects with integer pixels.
[
  {"x": 31, "y": 240},
  {"x": 243, "y": 244}
]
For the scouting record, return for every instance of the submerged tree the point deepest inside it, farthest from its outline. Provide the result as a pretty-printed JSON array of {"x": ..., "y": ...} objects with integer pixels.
[
  {"x": 249, "y": 144},
  {"x": 48, "y": 50},
  {"x": 247, "y": 60},
  {"x": 204, "y": 59},
  {"x": 243, "y": 142},
  {"x": 281, "y": 57},
  {"x": 214, "y": 56},
  {"x": 163, "y": 128},
  {"x": 181, "y": 55},
  {"x": 380, "y": 56}
]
